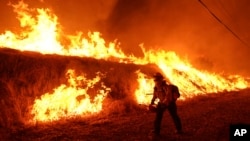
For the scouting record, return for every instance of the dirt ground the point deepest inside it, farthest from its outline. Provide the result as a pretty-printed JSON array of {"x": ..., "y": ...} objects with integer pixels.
[{"x": 206, "y": 117}]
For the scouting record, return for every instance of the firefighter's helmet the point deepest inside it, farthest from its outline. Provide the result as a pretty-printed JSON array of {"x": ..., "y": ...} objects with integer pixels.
[{"x": 158, "y": 76}]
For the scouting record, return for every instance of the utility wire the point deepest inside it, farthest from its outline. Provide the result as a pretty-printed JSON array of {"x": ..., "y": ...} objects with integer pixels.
[{"x": 204, "y": 5}]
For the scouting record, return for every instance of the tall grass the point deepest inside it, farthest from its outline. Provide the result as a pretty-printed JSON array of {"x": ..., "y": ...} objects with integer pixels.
[{"x": 25, "y": 76}]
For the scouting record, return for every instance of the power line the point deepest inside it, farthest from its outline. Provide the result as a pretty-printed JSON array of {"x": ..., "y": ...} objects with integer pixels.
[{"x": 204, "y": 5}]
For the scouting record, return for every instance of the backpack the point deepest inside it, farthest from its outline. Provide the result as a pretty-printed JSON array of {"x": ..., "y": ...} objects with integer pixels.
[{"x": 174, "y": 90}]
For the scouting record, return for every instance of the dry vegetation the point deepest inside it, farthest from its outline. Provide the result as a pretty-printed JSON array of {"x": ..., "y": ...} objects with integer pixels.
[{"x": 25, "y": 76}]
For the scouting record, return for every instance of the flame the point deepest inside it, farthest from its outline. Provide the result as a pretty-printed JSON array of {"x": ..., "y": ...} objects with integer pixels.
[
  {"x": 72, "y": 100},
  {"x": 41, "y": 32},
  {"x": 190, "y": 81},
  {"x": 144, "y": 91}
]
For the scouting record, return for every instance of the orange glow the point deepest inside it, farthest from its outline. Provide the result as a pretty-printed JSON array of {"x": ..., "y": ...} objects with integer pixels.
[
  {"x": 190, "y": 81},
  {"x": 42, "y": 33},
  {"x": 70, "y": 100},
  {"x": 39, "y": 33},
  {"x": 145, "y": 89}
]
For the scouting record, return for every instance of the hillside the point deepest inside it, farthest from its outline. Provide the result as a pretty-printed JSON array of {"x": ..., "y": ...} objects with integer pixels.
[
  {"x": 26, "y": 76},
  {"x": 204, "y": 118}
]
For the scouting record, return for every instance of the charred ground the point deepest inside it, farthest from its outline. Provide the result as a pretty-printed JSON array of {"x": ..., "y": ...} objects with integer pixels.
[{"x": 27, "y": 75}]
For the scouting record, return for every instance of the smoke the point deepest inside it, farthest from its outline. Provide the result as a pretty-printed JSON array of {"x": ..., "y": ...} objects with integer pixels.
[
  {"x": 77, "y": 15},
  {"x": 185, "y": 27}
]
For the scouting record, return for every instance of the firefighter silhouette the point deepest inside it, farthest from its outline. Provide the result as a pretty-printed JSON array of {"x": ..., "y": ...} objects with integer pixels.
[{"x": 167, "y": 95}]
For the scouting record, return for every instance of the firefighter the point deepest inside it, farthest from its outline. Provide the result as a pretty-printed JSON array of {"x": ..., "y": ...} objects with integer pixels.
[{"x": 167, "y": 95}]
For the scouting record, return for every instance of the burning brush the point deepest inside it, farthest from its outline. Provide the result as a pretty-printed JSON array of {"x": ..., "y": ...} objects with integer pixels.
[{"x": 41, "y": 32}]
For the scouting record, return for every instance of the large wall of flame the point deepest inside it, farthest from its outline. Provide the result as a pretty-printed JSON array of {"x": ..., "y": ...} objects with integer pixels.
[
  {"x": 25, "y": 76},
  {"x": 183, "y": 26},
  {"x": 187, "y": 28}
]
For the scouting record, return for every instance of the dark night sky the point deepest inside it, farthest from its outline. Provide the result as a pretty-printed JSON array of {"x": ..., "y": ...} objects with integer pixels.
[{"x": 184, "y": 26}]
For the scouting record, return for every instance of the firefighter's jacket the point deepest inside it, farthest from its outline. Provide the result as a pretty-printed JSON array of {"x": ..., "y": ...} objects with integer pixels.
[{"x": 165, "y": 93}]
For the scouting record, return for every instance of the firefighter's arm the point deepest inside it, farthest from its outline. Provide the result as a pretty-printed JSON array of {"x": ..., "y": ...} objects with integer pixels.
[{"x": 175, "y": 96}]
